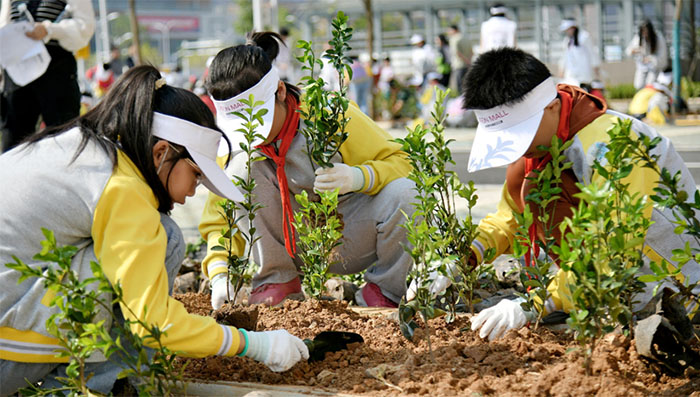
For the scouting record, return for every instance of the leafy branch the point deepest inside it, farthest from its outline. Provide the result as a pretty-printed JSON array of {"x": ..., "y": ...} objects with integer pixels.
[
  {"x": 324, "y": 116},
  {"x": 232, "y": 212},
  {"x": 79, "y": 325}
]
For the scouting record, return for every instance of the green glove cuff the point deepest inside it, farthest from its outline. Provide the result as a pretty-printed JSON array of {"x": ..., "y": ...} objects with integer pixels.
[{"x": 245, "y": 336}]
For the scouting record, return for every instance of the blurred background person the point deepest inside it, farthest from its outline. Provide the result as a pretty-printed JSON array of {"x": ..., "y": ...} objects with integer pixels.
[
  {"x": 460, "y": 57},
  {"x": 65, "y": 27},
  {"x": 443, "y": 61},
  {"x": 580, "y": 62},
  {"x": 284, "y": 59},
  {"x": 116, "y": 64},
  {"x": 650, "y": 54},
  {"x": 384, "y": 74},
  {"x": 361, "y": 82},
  {"x": 422, "y": 60},
  {"x": 497, "y": 31}
]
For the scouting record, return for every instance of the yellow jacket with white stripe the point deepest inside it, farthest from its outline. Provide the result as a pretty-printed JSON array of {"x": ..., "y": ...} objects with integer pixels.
[
  {"x": 111, "y": 215},
  {"x": 367, "y": 146},
  {"x": 497, "y": 230}
]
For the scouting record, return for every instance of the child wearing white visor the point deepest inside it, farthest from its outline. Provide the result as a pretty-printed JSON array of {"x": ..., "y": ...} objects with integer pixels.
[
  {"x": 105, "y": 183},
  {"x": 519, "y": 108},
  {"x": 370, "y": 173}
]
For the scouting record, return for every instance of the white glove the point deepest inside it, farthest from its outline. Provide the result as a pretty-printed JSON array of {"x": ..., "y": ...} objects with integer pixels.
[
  {"x": 497, "y": 320},
  {"x": 278, "y": 349},
  {"x": 438, "y": 282},
  {"x": 219, "y": 293},
  {"x": 340, "y": 176}
]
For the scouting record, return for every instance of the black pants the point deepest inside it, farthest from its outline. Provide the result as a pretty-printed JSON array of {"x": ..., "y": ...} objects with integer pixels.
[{"x": 55, "y": 96}]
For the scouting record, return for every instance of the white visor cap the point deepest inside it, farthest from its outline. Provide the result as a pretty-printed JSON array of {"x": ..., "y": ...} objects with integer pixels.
[
  {"x": 202, "y": 144},
  {"x": 232, "y": 125},
  {"x": 566, "y": 24},
  {"x": 505, "y": 132}
]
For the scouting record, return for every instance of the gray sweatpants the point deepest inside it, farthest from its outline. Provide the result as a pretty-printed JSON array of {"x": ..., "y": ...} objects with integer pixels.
[
  {"x": 372, "y": 235},
  {"x": 14, "y": 375}
]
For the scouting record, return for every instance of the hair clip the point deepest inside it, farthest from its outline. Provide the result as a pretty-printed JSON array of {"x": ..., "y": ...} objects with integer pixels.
[{"x": 160, "y": 82}]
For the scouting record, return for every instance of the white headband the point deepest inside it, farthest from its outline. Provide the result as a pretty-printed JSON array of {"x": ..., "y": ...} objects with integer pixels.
[
  {"x": 264, "y": 91},
  {"x": 506, "y": 116},
  {"x": 497, "y": 10},
  {"x": 202, "y": 144}
]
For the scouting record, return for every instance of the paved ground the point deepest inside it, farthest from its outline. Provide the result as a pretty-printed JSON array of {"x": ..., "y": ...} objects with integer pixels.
[{"x": 684, "y": 138}]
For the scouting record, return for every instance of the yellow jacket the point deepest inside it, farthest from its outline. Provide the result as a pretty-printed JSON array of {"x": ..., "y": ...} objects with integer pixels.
[{"x": 368, "y": 147}]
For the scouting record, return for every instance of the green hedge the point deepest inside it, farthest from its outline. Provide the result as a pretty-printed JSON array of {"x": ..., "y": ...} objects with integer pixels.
[{"x": 621, "y": 91}]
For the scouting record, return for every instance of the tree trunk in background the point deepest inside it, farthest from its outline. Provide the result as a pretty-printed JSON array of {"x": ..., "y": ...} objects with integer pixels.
[
  {"x": 136, "y": 42},
  {"x": 370, "y": 49}
]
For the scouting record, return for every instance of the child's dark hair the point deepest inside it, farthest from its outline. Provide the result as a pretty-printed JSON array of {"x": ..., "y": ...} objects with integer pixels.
[
  {"x": 236, "y": 69},
  {"x": 122, "y": 120},
  {"x": 501, "y": 76}
]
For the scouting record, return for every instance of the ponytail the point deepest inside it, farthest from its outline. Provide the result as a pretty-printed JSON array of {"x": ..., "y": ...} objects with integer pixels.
[{"x": 236, "y": 69}]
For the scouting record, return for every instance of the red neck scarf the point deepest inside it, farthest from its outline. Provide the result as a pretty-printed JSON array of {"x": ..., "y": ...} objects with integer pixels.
[
  {"x": 539, "y": 164},
  {"x": 286, "y": 135}
]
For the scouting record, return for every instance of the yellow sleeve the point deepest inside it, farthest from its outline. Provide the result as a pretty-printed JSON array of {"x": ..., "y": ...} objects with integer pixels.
[
  {"x": 130, "y": 244},
  {"x": 211, "y": 228},
  {"x": 497, "y": 230},
  {"x": 370, "y": 148}
]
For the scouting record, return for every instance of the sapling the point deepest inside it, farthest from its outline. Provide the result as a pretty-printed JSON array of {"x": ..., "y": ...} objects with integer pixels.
[
  {"x": 80, "y": 328},
  {"x": 424, "y": 244},
  {"x": 602, "y": 250},
  {"x": 545, "y": 192},
  {"x": 319, "y": 233},
  {"x": 233, "y": 212},
  {"x": 671, "y": 195},
  {"x": 324, "y": 113},
  {"x": 324, "y": 130},
  {"x": 437, "y": 188}
]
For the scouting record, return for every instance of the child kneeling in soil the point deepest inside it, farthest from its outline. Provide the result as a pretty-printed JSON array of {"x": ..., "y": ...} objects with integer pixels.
[
  {"x": 369, "y": 171},
  {"x": 105, "y": 183},
  {"x": 519, "y": 108}
]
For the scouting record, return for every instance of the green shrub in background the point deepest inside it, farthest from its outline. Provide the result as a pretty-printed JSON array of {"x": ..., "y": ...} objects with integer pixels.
[
  {"x": 689, "y": 88},
  {"x": 620, "y": 91}
]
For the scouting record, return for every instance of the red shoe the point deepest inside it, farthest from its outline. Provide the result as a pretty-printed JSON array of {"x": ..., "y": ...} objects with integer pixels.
[
  {"x": 371, "y": 295},
  {"x": 273, "y": 294}
]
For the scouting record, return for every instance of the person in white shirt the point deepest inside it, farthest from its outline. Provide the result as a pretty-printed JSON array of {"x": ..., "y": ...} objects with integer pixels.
[
  {"x": 650, "y": 52},
  {"x": 422, "y": 60},
  {"x": 497, "y": 31},
  {"x": 579, "y": 65},
  {"x": 65, "y": 27}
]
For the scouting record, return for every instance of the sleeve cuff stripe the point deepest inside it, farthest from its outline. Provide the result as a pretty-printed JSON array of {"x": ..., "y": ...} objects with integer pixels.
[
  {"x": 479, "y": 248},
  {"x": 370, "y": 174},
  {"x": 216, "y": 266},
  {"x": 226, "y": 342}
]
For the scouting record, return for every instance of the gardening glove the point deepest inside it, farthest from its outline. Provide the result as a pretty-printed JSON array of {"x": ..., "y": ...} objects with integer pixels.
[
  {"x": 340, "y": 176},
  {"x": 438, "y": 283},
  {"x": 219, "y": 292},
  {"x": 278, "y": 349},
  {"x": 497, "y": 320}
]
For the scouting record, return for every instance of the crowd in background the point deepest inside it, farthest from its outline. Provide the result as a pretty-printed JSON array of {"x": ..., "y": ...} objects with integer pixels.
[{"x": 408, "y": 99}]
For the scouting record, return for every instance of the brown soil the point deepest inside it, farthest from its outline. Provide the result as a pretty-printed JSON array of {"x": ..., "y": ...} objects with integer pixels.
[
  {"x": 523, "y": 363},
  {"x": 238, "y": 316}
]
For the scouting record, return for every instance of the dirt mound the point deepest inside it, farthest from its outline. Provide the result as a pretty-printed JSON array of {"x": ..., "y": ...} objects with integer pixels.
[{"x": 523, "y": 363}]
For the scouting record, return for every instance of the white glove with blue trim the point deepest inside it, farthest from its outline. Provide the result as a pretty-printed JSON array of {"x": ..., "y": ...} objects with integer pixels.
[
  {"x": 278, "y": 349},
  {"x": 341, "y": 176},
  {"x": 497, "y": 320}
]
